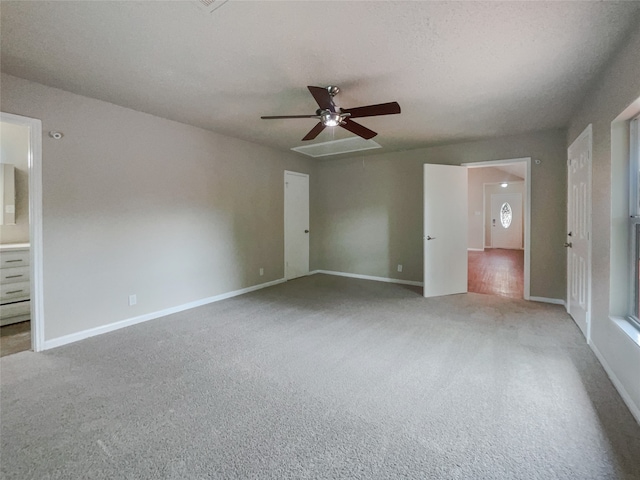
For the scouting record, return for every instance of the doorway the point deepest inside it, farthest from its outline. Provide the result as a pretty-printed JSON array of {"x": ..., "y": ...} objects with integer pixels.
[
  {"x": 499, "y": 227},
  {"x": 296, "y": 225},
  {"x": 21, "y": 234}
]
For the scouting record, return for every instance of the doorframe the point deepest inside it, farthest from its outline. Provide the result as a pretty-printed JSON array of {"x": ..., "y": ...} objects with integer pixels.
[
  {"x": 527, "y": 212},
  {"x": 284, "y": 186},
  {"x": 484, "y": 213},
  {"x": 35, "y": 224},
  {"x": 587, "y": 132}
]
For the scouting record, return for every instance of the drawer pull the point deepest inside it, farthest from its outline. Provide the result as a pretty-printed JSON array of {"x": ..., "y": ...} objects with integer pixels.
[
  {"x": 13, "y": 276},
  {"x": 14, "y": 261},
  {"x": 13, "y": 291}
]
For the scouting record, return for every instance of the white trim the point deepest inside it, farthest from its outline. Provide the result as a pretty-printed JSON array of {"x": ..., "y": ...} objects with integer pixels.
[
  {"x": 634, "y": 186},
  {"x": 368, "y": 277},
  {"x": 527, "y": 214},
  {"x": 555, "y": 301},
  {"x": 634, "y": 164},
  {"x": 628, "y": 328},
  {"x": 35, "y": 224},
  {"x": 290, "y": 172},
  {"x": 92, "y": 332},
  {"x": 626, "y": 398},
  {"x": 475, "y": 249},
  {"x": 493, "y": 163}
]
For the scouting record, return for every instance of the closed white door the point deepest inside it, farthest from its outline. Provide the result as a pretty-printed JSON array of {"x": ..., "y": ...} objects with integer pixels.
[
  {"x": 445, "y": 230},
  {"x": 506, "y": 220},
  {"x": 296, "y": 224},
  {"x": 578, "y": 242}
]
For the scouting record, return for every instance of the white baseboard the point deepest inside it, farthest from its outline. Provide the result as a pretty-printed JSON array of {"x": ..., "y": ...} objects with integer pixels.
[
  {"x": 92, "y": 332},
  {"x": 555, "y": 301},
  {"x": 475, "y": 249},
  {"x": 633, "y": 408},
  {"x": 369, "y": 277}
]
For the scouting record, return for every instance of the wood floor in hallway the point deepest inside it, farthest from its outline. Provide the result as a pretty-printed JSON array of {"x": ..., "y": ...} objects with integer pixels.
[
  {"x": 497, "y": 271},
  {"x": 15, "y": 338}
]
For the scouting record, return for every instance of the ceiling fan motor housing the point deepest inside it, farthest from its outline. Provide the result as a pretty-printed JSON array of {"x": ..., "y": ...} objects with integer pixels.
[{"x": 333, "y": 90}]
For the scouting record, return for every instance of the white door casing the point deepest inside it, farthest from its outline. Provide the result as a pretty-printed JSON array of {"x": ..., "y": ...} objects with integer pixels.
[
  {"x": 35, "y": 225},
  {"x": 510, "y": 236},
  {"x": 445, "y": 230},
  {"x": 527, "y": 212},
  {"x": 296, "y": 224},
  {"x": 578, "y": 242}
]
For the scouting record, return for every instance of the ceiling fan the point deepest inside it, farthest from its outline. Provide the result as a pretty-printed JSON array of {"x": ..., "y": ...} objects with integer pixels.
[{"x": 332, "y": 116}]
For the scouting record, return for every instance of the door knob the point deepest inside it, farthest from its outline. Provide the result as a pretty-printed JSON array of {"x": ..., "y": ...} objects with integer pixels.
[
  {"x": 306, "y": 231},
  {"x": 568, "y": 245},
  {"x": 430, "y": 238}
]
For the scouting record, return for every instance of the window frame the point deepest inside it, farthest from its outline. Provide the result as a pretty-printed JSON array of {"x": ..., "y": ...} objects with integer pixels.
[{"x": 634, "y": 220}]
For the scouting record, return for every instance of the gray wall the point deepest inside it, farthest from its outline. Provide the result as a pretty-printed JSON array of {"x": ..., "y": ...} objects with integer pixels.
[
  {"x": 138, "y": 204},
  {"x": 14, "y": 149},
  {"x": 367, "y": 211},
  {"x": 616, "y": 88}
]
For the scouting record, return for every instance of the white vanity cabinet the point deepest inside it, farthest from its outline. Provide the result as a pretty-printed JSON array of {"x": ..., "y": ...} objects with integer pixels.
[{"x": 15, "y": 285}]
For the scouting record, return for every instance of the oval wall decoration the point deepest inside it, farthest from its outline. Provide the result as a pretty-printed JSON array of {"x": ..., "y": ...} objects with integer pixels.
[{"x": 505, "y": 215}]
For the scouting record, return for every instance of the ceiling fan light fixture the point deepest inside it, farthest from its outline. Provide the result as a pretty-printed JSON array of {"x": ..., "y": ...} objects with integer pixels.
[{"x": 330, "y": 119}]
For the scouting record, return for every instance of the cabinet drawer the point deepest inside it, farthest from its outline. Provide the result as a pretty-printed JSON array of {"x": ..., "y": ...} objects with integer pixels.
[
  {"x": 15, "y": 309},
  {"x": 14, "y": 275},
  {"x": 16, "y": 258},
  {"x": 12, "y": 292}
]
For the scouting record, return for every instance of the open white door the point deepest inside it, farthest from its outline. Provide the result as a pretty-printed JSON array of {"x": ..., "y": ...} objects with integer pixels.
[
  {"x": 445, "y": 230},
  {"x": 296, "y": 224}
]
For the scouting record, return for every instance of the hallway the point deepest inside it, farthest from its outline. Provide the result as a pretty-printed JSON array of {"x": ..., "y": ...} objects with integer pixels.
[{"x": 497, "y": 272}]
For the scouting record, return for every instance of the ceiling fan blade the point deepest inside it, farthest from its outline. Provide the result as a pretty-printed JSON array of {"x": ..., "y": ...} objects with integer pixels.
[
  {"x": 390, "y": 108},
  {"x": 322, "y": 97},
  {"x": 315, "y": 131},
  {"x": 358, "y": 129},
  {"x": 289, "y": 116}
]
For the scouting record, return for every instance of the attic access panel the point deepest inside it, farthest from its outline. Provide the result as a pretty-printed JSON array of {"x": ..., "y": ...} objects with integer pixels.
[
  {"x": 336, "y": 147},
  {"x": 209, "y": 6}
]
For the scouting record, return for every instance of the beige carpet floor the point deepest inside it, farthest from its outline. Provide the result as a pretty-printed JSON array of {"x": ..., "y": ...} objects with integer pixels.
[{"x": 322, "y": 378}]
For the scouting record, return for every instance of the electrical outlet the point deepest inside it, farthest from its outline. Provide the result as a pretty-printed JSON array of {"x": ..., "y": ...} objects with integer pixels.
[
  {"x": 399, "y": 267},
  {"x": 261, "y": 271},
  {"x": 133, "y": 299}
]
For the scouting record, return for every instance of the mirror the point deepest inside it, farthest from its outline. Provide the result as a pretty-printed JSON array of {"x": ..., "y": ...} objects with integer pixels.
[{"x": 7, "y": 194}]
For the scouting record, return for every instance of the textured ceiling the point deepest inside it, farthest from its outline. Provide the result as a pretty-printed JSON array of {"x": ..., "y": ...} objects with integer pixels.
[{"x": 460, "y": 70}]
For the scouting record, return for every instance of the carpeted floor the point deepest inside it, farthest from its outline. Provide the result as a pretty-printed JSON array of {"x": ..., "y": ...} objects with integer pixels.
[{"x": 322, "y": 377}]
